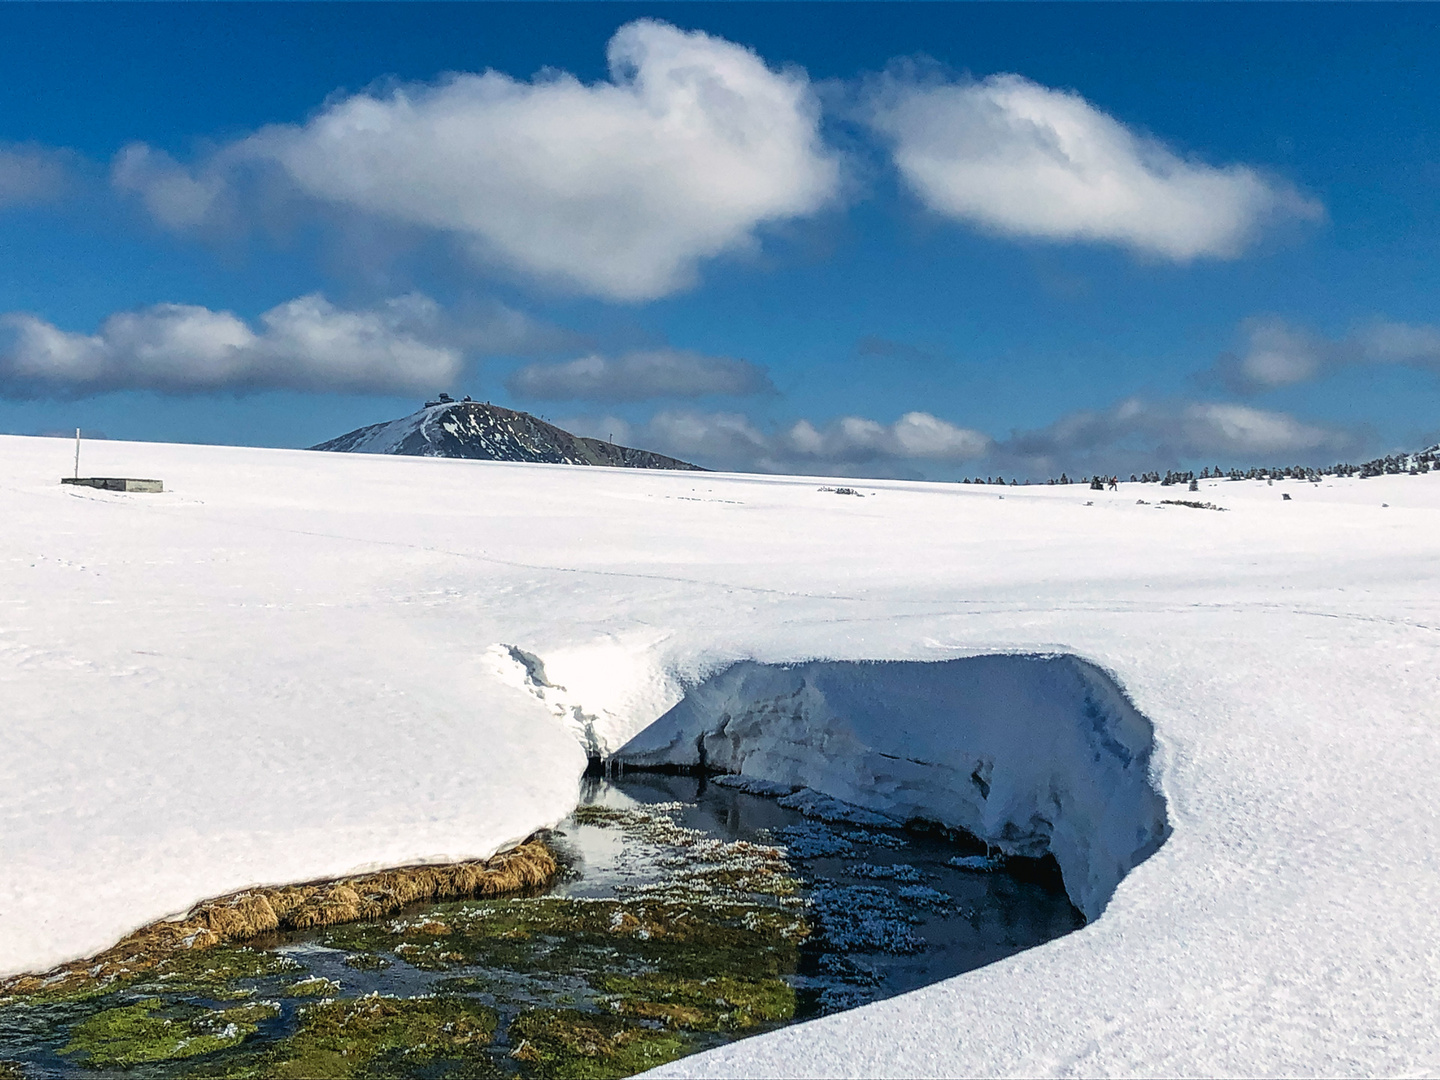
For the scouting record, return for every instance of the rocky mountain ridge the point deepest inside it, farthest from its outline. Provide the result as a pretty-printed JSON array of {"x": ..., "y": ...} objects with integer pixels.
[{"x": 484, "y": 432}]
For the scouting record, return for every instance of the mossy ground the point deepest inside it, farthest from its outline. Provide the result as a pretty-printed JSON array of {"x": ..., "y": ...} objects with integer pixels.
[
  {"x": 717, "y": 1003},
  {"x": 689, "y": 942},
  {"x": 377, "y": 1036},
  {"x": 219, "y": 973},
  {"x": 675, "y": 941},
  {"x": 150, "y": 1031},
  {"x": 547, "y": 986},
  {"x": 565, "y": 1043},
  {"x": 563, "y": 935},
  {"x": 223, "y": 973},
  {"x": 316, "y": 986},
  {"x": 242, "y": 916}
]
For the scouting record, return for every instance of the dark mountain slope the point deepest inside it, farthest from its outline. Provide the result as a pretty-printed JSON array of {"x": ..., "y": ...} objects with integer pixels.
[{"x": 470, "y": 429}]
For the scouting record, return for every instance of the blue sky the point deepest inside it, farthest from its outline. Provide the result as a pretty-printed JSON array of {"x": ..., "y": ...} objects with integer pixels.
[{"x": 931, "y": 240}]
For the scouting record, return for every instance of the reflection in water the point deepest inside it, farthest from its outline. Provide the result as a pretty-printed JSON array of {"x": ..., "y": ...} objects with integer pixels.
[
  {"x": 691, "y": 914},
  {"x": 893, "y": 910}
]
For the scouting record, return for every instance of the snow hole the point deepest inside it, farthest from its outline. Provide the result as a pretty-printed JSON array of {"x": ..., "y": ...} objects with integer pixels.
[{"x": 1033, "y": 755}]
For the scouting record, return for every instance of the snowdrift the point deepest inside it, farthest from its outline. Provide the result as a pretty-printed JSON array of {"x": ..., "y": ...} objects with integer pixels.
[
  {"x": 1032, "y": 754},
  {"x": 287, "y": 666}
]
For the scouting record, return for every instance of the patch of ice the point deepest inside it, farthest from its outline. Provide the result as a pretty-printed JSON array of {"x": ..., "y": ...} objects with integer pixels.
[
  {"x": 813, "y": 842},
  {"x": 892, "y": 872},
  {"x": 753, "y": 785},
  {"x": 927, "y": 897},
  {"x": 865, "y": 919},
  {"x": 980, "y": 864},
  {"x": 814, "y": 804},
  {"x": 879, "y": 839}
]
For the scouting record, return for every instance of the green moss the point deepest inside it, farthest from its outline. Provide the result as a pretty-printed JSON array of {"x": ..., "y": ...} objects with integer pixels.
[
  {"x": 315, "y": 986},
  {"x": 206, "y": 972},
  {"x": 140, "y": 1033},
  {"x": 73, "y": 996},
  {"x": 652, "y": 824},
  {"x": 430, "y": 955},
  {"x": 11, "y": 1070},
  {"x": 627, "y": 983},
  {"x": 213, "y": 973},
  {"x": 603, "y": 816},
  {"x": 695, "y": 934},
  {"x": 719, "y": 1003},
  {"x": 565, "y": 1044},
  {"x": 74, "y": 993},
  {"x": 379, "y": 1036}
]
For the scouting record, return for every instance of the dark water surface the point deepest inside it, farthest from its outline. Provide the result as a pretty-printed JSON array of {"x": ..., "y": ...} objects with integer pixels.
[
  {"x": 691, "y": 914},
  {"x": 887, "y": 903}
]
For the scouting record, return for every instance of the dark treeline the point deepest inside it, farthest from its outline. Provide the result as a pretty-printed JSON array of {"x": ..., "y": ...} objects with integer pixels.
[{"x": 1389, "y": 465}]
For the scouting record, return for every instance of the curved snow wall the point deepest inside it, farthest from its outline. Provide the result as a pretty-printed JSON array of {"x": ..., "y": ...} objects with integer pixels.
[{"x": 1032, "y": 754}]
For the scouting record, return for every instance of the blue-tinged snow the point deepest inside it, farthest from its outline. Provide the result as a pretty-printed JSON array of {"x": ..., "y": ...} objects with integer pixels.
[
  {"x": 1034, "y": 755},
  {"x": 291, "y": 665}
]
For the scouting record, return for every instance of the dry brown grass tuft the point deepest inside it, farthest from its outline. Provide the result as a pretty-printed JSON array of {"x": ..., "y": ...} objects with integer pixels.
[{"x": 244, "y": 915}]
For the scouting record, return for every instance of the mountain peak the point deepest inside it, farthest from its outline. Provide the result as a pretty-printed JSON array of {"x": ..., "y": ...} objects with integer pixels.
[{"x": 448, "y": 428}]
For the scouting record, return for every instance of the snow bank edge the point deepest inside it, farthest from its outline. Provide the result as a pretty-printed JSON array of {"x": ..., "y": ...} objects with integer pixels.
[{"x": 1031, "y": 753}]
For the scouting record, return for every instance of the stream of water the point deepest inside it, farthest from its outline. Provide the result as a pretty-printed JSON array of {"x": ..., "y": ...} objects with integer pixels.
[{"x": 690, "y": 914}]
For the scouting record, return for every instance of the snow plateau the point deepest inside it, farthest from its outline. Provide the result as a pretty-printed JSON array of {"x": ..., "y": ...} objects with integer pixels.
[{"x": 292, "y": 665}]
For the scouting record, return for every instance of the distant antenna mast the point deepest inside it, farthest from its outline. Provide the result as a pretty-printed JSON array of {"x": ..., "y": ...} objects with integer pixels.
[{"x": 77, "y": 453}]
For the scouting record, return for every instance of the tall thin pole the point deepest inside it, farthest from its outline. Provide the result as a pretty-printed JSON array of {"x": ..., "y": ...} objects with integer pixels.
[{"x": 77, "y": 453}]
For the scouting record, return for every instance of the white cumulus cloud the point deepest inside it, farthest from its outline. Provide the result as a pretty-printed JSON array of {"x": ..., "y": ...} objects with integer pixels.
[
  {"x": 618, "y": 188},
  {"x": 1140, "y": 434},
  {"x": 306, "y": 344},
  {"x": 31, "y": 174},
  {"x": 639, "y": 375},
  {"x": 921, "y": 435},
  {"x": 1385, "y": 342},
  {"x": 173, "y": 195},
  {"x": 1135, "y": 434},
  {"x": 1278, "y": 353},
  {"x": 1228, "y": 428},
  {"x": 848, "y": 444},
  {"x": 857, "y": 439},
  {"x": 1027, "y": 160},
  {"x": 727, "y": 440}
]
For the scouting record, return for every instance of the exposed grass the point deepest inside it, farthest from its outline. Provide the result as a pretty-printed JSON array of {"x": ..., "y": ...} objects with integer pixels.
[
  {"x": 718, "y": 1003},
  {"x": 590, "y": 987},
  {"x": 1194, "y": 505},
  {"x": 697, "y": 934},
  {"x": 378, "y": 1037},
  {"x": 564, "y": 1044},
  {"x": 146, "y": 1032},
  {"x": 315, "y": 986},
  {"x": 213, "y": 972},
  {"x": 244, "y": 915}
]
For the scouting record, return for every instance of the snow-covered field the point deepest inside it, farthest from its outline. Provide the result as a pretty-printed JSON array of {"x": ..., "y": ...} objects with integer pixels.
[{"x": 292, "y": 665}]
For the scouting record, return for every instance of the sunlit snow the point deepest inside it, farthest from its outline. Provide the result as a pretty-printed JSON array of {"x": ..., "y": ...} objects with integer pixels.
[{"x": 291, "y": 665}]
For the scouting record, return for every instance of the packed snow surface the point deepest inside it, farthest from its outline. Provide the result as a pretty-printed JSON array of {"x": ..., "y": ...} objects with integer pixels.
[{"x": 291, "y": 665}]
